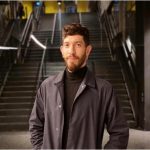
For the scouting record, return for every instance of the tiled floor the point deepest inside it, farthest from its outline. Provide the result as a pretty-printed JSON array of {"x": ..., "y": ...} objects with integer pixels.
[{"x": 21, "y": 140}]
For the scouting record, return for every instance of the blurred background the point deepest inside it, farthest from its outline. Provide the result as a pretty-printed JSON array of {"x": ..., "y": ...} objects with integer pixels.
[{"x": 30, "y": 37}]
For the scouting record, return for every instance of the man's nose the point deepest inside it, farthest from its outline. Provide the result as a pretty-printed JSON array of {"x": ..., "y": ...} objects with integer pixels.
[{"x": 71, "y": 49}]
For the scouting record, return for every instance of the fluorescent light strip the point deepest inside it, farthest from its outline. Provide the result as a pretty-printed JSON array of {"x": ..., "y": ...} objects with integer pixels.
[
  {"x": 37, "y": 41},
  {"x": 8, "y": 48}
]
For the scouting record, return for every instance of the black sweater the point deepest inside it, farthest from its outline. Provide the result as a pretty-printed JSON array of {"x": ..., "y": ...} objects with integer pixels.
[{"x": 72, "y": 82}]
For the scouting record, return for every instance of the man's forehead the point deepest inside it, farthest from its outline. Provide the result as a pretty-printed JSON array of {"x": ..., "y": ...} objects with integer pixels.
[{"x": 75, "y": 38}]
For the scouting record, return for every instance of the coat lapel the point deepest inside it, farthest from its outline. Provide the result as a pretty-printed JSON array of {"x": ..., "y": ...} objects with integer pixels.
[
  {"x": 89, "y": 80},
  {"x": 59, "y": 82}
]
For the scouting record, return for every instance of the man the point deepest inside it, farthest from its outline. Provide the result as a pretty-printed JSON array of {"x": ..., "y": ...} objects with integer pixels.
[
  {"x": 20, "y": 12},
  {"x": 72, "y": 108}
]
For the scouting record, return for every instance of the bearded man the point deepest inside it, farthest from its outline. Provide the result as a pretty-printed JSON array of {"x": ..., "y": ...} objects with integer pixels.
[{"x": 72, "y": 108}]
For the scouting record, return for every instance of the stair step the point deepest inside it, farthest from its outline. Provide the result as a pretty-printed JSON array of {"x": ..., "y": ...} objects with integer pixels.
[
  {"x": 34, "y": 56},
  {"x": 101, "y": 56},
  {"x": 17, "y": 99},
  {"x": 21, "y": 82},
  {"x": 126, "y": 109},
  {"x": 36, "y": 52},
  {"x": 22, "y": 78},
  {"x": 115, "y": 80},
  {"x": 123, "y": 97},
  {"x": 15, "y": 118},
  {"x": 99, "y": 71},
  {"x": 32, "y": 59},
  {"x": 19, "y": 88},
  {"x": 110, "y": 77},
  {"x": 24, "y": 72},
  {"x": 51, "y": 73},
  {"x": 132, "y": 123},
  {"x": 55, "y": 68},
  {"x": 14, "y": 112},
  {"x": 124, "y": 103},
  {"x": 55, "y": 63},
  {"x": 100, "y": 51},
  {"x": 106, "y": 63},
  {"x": 121, "y": 91},
  {"x": 17, "y": 93},
  {"x": 119, "y": 86},
  {"x": 29, "y": 64},
  {"x": 19, "y": 68},
  {"x": 12, "y": 105},
  {"x": 15, "y": 126},
  {"x": 129, "y": 116}
]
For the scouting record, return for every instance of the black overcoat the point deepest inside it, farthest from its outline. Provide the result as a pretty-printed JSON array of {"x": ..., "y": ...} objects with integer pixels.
[{"x": 95, "y": 107}]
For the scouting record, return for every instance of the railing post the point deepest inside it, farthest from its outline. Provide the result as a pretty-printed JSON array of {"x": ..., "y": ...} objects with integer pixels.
[{"x": 53, "y": 31}]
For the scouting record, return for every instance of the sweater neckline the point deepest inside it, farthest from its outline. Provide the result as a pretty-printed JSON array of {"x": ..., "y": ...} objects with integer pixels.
[{"x": 77, "y": 75}]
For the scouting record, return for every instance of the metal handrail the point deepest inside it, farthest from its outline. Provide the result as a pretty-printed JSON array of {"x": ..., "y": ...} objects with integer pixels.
[
  {"x": 24, "y": 41},
  {"x": 125, "y": 47},
  {"x": 38, "y": 12},
  {"x": 108, "y": 33},
  {"x": 53, "y": 32},
  {"x": 129, "y": 60},
  {"x": 116, "y": 27},
  {"x": 112, "y": 26},
  {"x": 109, "y": 27},
  {"x": 80, "y": 18},
  {"x": 10, "y": 64},
  {"x": 131, "y": 80},
  {"x": 26, "y": 33},
  {"x": 4, "y": 50},
  {"x": 9, "y": 34},
  {"x": 40, "y": 72},
  {"x": 121, "y": 50},
  {"x": 100, "y": 27},
  {"x": 26, "y": 28},
  {"x": 128, "y": 92},
  {"x": 5, "y": 79}
]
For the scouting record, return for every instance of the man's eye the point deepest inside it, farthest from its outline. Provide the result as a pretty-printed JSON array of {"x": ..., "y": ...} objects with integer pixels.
[
  {"x": 78, "y": 44},
  {"x": 66, "y": 45}
]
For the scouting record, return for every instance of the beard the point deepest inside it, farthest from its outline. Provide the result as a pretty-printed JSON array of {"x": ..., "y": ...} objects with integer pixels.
[{"x": 74, "y": 63}]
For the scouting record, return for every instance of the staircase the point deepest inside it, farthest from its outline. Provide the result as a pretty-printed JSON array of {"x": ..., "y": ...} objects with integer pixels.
[
  {"x": 18, "y": 95},
  {"x": 104, "y": 67},
  {"x": 112, "y": 72},
  {"x": 17, "y": 98}
]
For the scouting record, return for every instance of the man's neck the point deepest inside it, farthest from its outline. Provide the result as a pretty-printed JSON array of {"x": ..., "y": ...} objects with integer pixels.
[{"x": 78, "y": 74}]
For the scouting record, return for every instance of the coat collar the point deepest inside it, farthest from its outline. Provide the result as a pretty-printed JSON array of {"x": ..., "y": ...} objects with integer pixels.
[{"x": 89, "y": 79}]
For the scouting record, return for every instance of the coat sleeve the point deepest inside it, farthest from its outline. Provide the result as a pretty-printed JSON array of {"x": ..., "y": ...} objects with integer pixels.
[
  {"x": 115, "y": 122},
  {"x": 36, "y": 121}
]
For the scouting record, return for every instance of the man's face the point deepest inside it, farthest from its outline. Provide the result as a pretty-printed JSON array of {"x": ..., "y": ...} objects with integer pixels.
[{"x": 75, "y": 52}]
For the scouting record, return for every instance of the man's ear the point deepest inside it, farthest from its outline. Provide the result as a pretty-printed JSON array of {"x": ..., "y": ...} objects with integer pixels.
[
  {"x": 89, "y": 49},
  {"x": 61, "y": 47}
]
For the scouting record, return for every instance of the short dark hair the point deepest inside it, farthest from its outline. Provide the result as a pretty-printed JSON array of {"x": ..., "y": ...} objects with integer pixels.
[{"x": 76, "y": 29}]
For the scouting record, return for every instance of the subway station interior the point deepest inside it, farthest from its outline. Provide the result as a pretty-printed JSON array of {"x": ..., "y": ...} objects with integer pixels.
[{"x": 30, "y": 39}]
